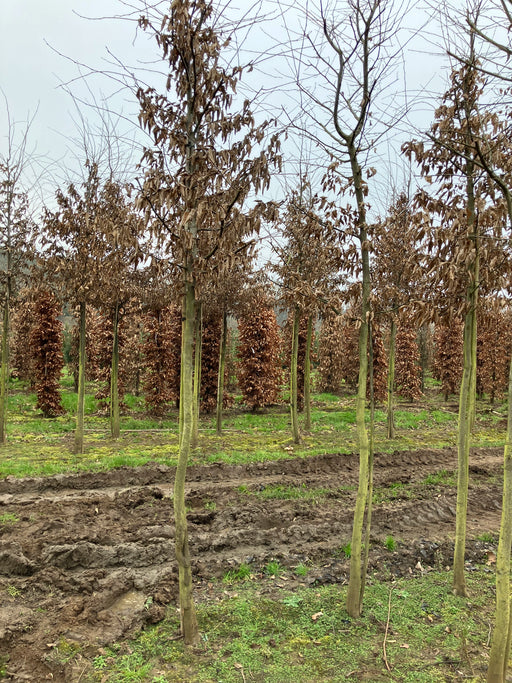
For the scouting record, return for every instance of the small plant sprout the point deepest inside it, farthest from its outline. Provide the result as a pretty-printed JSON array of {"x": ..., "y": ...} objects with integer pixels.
[
  {"x": 274, "y": 568},
  {"x": 347, "y": 550},
  {"x": 8, "y": 518},
  {"x": 243, "y": 572},
  {"x": 301, "y": 570},
  {"x": 390, "y": 543}
]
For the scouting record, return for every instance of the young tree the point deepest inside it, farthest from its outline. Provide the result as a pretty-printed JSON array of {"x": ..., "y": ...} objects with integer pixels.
[
  {"x": 353, "y": 57},
  {"x": 197, "y": 178},
  {"x": 465, "y": 203},
  {"x": 396, "y": 274},
  {"x": 259, "y": 344},
  {"x": 161, "y": 351},
  {"x": 73, "y": 243},
  {"x": 16, "y": 234},
  {"x": 308, "y": 267},
  {"x": 120, "y": 233},
  {"x": 45, "y": 341},
  {"x": 330, "y": 352}
]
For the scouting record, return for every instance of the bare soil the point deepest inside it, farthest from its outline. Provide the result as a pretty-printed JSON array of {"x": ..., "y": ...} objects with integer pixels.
[{"x": 90, "y": 559}]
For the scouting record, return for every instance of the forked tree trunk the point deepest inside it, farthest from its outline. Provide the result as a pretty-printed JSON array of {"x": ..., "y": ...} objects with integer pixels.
[
  {"x": 354, "y": 592},
  {"x": 220, "y": 376},
  {"x": 500, "y": 643},
  {"x": 307, "y": 376},
  {"x": 4, "y": 373},
  {"x": 80, "y": 410},
  {"x": 293, "y": 376},
  {"x": 115, "y": 428},
  {"x": 198, "y": 331},
  {"x": 189, "y": 626},
  {"x": 390, "y": 419}
]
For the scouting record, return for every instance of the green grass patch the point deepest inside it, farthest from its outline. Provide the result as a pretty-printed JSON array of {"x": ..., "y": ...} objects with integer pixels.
[
  {"x": 281, "y": 492},
  {"x": 306, "y": 635},
  {"x": 443, "y": 477}
]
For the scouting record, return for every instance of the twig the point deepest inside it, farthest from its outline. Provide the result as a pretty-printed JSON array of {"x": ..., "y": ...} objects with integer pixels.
[{"x": 386, "y": 633}]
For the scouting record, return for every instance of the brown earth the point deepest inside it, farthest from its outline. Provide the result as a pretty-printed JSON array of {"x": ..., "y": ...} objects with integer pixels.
[{"x": 90, "y": 558}]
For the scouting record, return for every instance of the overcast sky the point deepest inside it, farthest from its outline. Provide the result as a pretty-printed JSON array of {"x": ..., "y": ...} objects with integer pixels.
[{"x": 31, "y": 71}]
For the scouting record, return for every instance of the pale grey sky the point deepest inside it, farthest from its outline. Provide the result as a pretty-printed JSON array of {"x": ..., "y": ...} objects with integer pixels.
[{"x": 30, "y": 71}]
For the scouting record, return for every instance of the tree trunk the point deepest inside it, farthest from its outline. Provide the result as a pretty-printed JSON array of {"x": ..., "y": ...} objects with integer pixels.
[
  {"x": 390, "y": 420},
  {"x": 80, "y": 410},
  {"x": 369, "y": 496},
  {"x": 293, "y": 376},
  {"x": 467, "y": 400},
  {"x": 500, "y": 643},
  {"x": 115, "y": 428},
  {"x": 189, "y": 626},
  {"x": 4, "y": 378},
  {"x": 198, "y": 331},
  {"x": 354, "y": 604},
  {"x": 222, "y": 365},
  {"x": 307, "y": 376}
]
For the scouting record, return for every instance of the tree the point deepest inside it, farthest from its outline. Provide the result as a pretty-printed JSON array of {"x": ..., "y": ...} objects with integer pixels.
[
  {"x": 118, "y": 251},
  {"x": 353, "y": 57},
  {"x": 308, "y": 266},
  {"x": 330, "y": 353},
  {"x": 259, "y": 344},
  {"x": 16, "y": 236},
  {"x": 72, "y": 242},
  {"x": 46, "y": 348},
  {"x": 197, "y": 177},
  {"x": 396, "y": 274},
  {"x": 161, "y": 350},
  {"x": 465, "y": 202},
  {"x": 493, "y": 349},
  {"x": 408, "y": 370}
]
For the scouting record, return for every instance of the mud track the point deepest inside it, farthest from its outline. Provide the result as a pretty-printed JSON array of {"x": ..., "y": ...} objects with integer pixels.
[{"x": 88, "y": 559}]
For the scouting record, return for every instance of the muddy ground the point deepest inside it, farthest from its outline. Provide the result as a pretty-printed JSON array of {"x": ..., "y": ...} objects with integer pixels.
[{"x": 88, "y": 558}]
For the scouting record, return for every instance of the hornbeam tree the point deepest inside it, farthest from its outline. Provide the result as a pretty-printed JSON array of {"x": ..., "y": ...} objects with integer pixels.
[
  {"x": 493, "y": 349},
  {"x": 330, "y": 353},
  {"x": 197, "y": 177}
]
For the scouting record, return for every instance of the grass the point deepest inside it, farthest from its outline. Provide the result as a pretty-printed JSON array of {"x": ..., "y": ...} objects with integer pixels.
[
  {"x": 306, "y": 635},
  {"x": 39, "y": 446}
]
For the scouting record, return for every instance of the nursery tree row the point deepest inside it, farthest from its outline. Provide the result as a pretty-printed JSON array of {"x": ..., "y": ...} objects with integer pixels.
[{"x": 155, "y": 266}]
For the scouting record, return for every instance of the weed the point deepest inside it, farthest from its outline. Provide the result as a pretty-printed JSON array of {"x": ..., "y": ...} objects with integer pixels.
[
  {"x": 280, "y": 492},
  {"x": 210, "y": 505},
  {"x": 8, "y": 518},
  {"x": 243, "y": 572},
  {"x": 443, "y": 477},
  {"x": 13, "y": 591},
  {"x": 347, "y": 550},
  {"x": 301, "y": 570},
  {"x": 390, "y": 543},
  {"x": 274, "y": 568},
  {"x": 487, "y": 537}
]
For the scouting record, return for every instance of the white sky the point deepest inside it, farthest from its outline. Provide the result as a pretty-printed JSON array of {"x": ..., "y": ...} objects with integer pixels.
[{"x": 30, "y": 71}]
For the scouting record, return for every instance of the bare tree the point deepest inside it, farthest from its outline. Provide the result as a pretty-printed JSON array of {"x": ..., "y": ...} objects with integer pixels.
[
  {"x": 16, "y": 235},
  {"x": 350, "y": 56}
]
